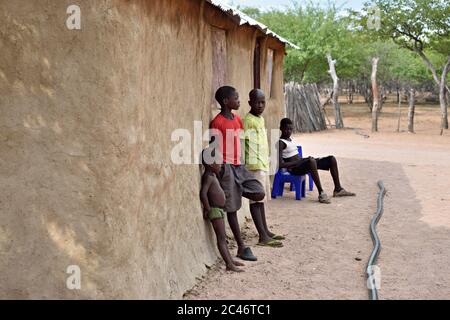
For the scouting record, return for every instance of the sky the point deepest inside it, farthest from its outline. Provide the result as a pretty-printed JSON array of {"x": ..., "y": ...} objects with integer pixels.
[{"x": 280, "y": 4}]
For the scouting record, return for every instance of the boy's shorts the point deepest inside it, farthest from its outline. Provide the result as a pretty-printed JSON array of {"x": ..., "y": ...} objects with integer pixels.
[
  {"x": 216, "y": 213},
  {"x": 235, "y": 181},
  {"x": 303, "y": 167},
  {"x": 263, "y": 178}
]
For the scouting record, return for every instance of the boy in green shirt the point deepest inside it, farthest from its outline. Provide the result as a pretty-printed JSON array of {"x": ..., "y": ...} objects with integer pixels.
[{"x": 257, "y": 151}]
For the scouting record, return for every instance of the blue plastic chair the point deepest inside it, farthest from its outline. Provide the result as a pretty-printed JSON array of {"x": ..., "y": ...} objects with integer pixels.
[
  {"x": 311, "y": 181},
  {"x": 298, "y": 183}
]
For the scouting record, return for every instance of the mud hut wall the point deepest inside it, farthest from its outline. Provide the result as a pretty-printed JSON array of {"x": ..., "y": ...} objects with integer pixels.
[{"x": 86, "y": 118}]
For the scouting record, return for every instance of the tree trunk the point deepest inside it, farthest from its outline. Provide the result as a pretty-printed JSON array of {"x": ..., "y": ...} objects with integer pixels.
[
  {"x": 399, "y": 109},
  {"x": 329, "y": 95},
  {"x": 350, "y": 92},
  {"x": 442, "y": 99},
  {"x": 367, "y": 93},
  {"x": 335, "y": 101},
  {"x": 441, "y": 84},
  {"x": 382, "y": 97},
  {"x": 376, "y": 96},
  {"x": 411, "y": 110}
]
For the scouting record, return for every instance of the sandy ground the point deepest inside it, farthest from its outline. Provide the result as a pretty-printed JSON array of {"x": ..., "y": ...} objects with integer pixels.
[{"x": 327, "y": 246}]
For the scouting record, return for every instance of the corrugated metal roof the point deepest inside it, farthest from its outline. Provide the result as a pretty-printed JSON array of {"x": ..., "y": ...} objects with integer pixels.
[{"x": 242, "y": 19}]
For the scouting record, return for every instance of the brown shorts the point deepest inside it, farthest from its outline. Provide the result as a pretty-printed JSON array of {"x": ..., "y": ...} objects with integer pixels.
[{"x": 236, "y": 181}]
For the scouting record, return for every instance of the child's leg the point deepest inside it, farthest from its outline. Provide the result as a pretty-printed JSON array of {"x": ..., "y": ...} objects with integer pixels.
[
  {"x": 263, "y": 217},
  {"x": 219, "y": 229},
  {"x": 262, "y": 177},
  {"x": 330, "y": 163},
  {"x": 309, "y": 165},
  {"x": 312, "y": 165},
  {"x": 234, "y": 226},
  {"x": 255, "y": 210},
  {"x": 254, "y": 196},
  {"x": 254, "y": 190},
  {"x": 335, "y": 174},
  {"x": 233, "y": 203}
]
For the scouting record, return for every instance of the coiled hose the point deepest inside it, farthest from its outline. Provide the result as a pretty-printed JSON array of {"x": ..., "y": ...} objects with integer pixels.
[{"x": 373, "y": 292}]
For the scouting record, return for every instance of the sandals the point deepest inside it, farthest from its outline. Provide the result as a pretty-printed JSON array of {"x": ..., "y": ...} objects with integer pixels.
[
  {"x": 271, "y": 243},
  {"x": 323, "y": 198},
  {"x": 278, "y": 237},
  {"x": 343, "y": 193}
]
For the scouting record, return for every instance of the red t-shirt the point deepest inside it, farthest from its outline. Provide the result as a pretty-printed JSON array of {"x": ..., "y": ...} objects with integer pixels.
[{"x": 230, "y": 146}]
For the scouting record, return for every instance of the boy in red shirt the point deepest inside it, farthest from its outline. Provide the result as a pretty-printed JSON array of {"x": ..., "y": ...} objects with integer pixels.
[{"x": 235, "y": 179}]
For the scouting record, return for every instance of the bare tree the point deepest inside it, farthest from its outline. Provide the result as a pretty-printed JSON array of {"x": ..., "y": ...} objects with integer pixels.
[
  {"x": 442, "y": 93},
  {"x": 350, "y": 92},
  {"x": 383, "y": 98},
  {"x": 366, "y": 91},
  {"x": 399, "y": 97},
  {"x": 421, "y": 27},
  {"x": 411, "y": 110},
  {"x": 376, "y": 95},
  {"x": 337, "y": 107}
]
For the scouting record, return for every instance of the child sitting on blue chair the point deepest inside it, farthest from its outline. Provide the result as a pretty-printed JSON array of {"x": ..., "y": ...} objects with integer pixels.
[
  {"x": 289, "y": 159},
  {"x": 298, "y": 183}
]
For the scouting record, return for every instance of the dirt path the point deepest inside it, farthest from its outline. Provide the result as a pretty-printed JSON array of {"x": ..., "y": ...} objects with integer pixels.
[{"x": 327, "y": 246}]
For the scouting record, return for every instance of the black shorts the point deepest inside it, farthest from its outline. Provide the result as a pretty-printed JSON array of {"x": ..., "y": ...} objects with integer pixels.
[{"x": 304, "y": 168}]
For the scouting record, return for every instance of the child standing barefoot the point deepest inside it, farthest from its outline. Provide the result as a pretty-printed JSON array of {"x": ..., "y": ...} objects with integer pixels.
[{"x": 213, "y": 200}]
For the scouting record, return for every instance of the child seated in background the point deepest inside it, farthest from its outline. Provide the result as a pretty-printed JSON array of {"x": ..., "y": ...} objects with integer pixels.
[
  {"x": 289, "y": 159},
  {"x": 213, "y": 200}
]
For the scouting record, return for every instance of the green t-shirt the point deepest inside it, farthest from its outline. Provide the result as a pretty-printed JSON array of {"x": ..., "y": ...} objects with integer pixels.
[{"x": 256, "y": 145}]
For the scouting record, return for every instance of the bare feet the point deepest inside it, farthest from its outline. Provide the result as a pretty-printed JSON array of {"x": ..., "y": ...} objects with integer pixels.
[
  {"x": 237, "y": 263},
  {"x": 232, "y": 267}
]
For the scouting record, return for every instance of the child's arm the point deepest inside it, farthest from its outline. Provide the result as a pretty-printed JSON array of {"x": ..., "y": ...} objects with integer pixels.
[
  {"x": 281, "y": 163},
  {"x": 206, "y": 183}
]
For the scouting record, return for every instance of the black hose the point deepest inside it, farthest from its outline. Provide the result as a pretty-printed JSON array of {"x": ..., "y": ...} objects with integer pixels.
[{"x": 373, "y": 293}]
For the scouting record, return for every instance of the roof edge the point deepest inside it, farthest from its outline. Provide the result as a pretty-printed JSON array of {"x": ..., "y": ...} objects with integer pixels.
[{"x": 243, "y": 19}]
